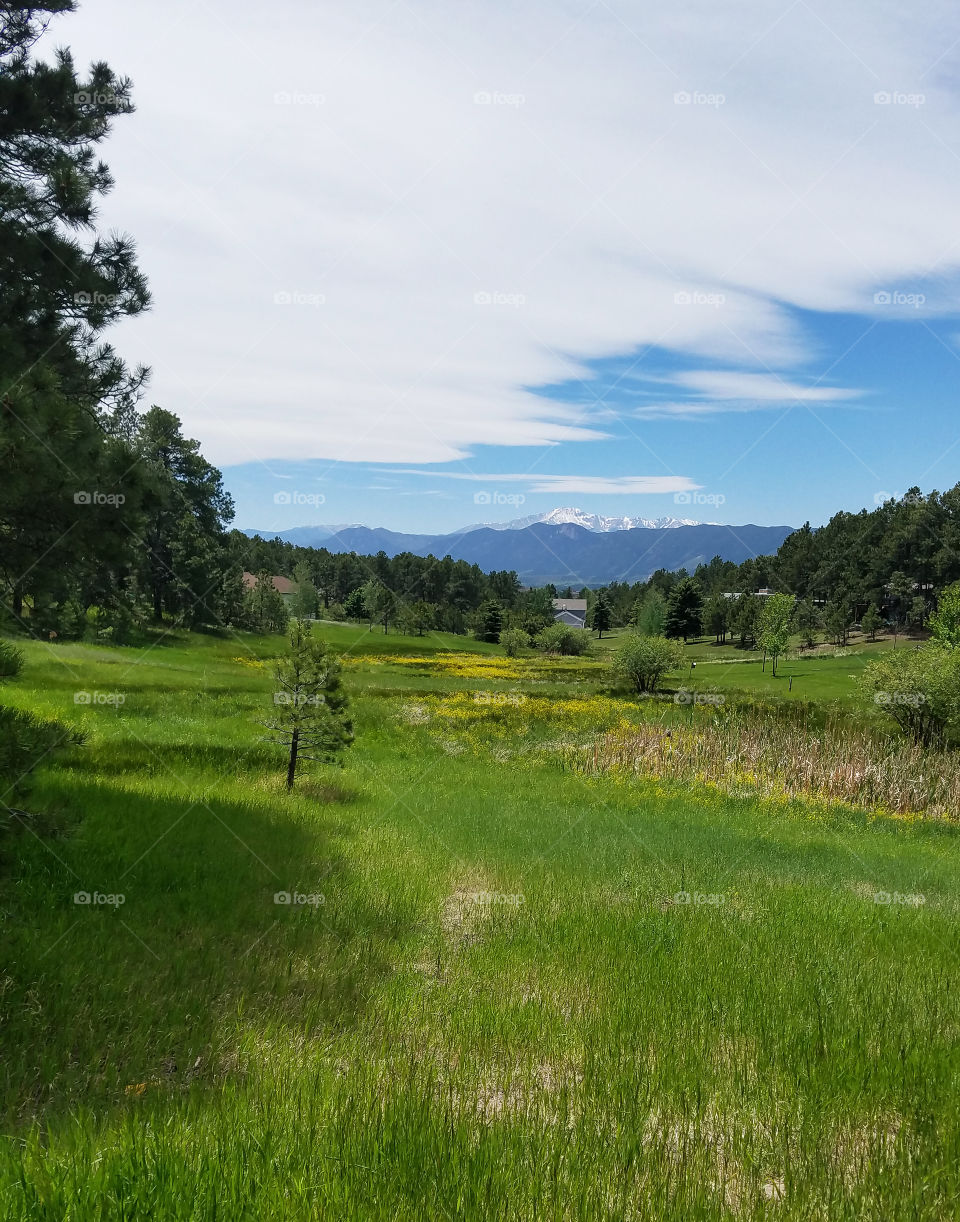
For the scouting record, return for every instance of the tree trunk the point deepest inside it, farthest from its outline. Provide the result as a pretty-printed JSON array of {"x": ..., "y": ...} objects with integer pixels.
[
  {"x": 18, "y": 600},
  {"x": 157, "y": 602},
  {"x": 292, "y": 765}
]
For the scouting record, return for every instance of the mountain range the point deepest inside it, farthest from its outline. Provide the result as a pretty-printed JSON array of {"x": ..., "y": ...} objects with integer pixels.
[
  {"x": 547, "y": 549},
  {"x": 589, "y": 521}
]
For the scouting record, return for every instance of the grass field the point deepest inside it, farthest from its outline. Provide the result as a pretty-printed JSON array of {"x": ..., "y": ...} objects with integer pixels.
[{"x": 509, "y": 989}]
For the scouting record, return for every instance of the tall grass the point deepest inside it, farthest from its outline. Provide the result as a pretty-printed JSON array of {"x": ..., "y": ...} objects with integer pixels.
[{"x": 775, "y": 754}]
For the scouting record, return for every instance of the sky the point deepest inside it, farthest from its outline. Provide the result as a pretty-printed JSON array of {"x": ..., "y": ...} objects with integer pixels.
[{"x": 418, "y": 264}]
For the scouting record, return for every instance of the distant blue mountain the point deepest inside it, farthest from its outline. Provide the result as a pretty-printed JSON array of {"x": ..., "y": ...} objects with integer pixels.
[{"x": 565, "y": 554}]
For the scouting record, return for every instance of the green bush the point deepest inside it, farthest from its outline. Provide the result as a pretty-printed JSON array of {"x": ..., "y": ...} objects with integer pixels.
[
  {"x": 11, "y": 660},
  {"x": 559, "y": 638},
  {"x": 644, "y": 660},
  {"x": 919, "y": 689},
  {"x": 514, "y": 640}
]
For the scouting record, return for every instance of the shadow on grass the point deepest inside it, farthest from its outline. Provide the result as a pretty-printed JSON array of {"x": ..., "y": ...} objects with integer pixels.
[{"x": 164, "y": 946}]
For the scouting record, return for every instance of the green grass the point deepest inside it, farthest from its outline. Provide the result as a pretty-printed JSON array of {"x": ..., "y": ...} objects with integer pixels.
[{"x": 502, "y": 1007}]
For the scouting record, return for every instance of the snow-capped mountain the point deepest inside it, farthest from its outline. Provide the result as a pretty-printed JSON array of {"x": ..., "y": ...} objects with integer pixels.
[
  {"x": 575, "y": 553},
  {"x": 597, "y": 522}
]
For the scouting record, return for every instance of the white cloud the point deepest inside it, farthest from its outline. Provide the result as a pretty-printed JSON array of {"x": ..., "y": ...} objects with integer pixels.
[
  {"x": 761, "y": 387},
  {"x": 442, "y": 254},
  {"x": 724, "y": 390},
  {"x": 601, "y": 485}
]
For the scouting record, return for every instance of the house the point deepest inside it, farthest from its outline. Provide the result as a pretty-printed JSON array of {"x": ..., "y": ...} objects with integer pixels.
[
  {"x": 283, "y": 585},
  {"x": 570, "y": 611},
  {"x": 763, "y": 592}
]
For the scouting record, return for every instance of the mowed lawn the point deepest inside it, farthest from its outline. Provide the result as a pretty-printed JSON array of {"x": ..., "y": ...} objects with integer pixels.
[{"x": 507, "y": 990}]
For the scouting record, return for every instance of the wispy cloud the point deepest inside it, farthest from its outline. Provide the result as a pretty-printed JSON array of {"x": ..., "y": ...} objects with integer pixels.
[
  {"x": 727, "y": 384},
  {"x": 723, "y": 390},
  {"x": 374, "y": 247},
  {"x": 629, "y": 485}
]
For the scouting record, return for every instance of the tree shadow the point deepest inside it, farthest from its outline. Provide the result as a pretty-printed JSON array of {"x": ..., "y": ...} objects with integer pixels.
[{"x": 166, "y": 942}]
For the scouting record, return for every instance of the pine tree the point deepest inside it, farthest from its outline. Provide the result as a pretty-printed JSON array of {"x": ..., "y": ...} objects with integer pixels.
[
  {"x": 311, "y": 710},
  {"x": 684, "y": 609},
  {"x": 808, "y": 621},
  {"x": 380, "y": 602},
  {"x": 901, "y": 591},
  {"x": 872, "y": 620},
  {"x": 600, "y": 616},
  {"x": 837, "y": 619},
  {"x": 305, "y": 600},
  {"x": 264, "y": 609},
  {"x": 354, "y": 607},
  {"x": 715, "y": 617},
  {"x": 423, "y": 616},
  {"x": 743, "y": 620},
  {"x": 187, "y": 510},
  {"x": 489, "y": 621},
  {"x": 67, "y": 399},
  {"x": 650, "y": 615}
]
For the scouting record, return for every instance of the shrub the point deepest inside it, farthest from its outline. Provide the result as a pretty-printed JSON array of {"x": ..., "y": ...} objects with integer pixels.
[
  {"x": 919, "y": 688},
  {"x": 559, "y": 638},
  {"x": 513, "y": 641},
  {"x": 11, "y": 660},
  {"x": 644, "y": 660},
  {"x": 945, "y": 621}
]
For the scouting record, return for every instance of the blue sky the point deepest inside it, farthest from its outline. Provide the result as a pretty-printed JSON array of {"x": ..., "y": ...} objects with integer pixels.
[
  {"x": 772, "y": 463},
  {"x": 581, "y": 253}
]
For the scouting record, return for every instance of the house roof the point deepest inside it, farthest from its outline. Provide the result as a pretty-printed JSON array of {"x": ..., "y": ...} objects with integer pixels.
[
  {"x": 570, "y": 604},
  {"x": 282, "y": 585}
]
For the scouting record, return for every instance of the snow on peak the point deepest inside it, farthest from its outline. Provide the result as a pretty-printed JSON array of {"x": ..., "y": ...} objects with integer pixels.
[{"x": 596, "y": 522}]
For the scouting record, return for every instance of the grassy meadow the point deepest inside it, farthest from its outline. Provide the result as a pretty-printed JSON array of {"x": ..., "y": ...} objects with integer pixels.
[{"x": 511, "y": 982}]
